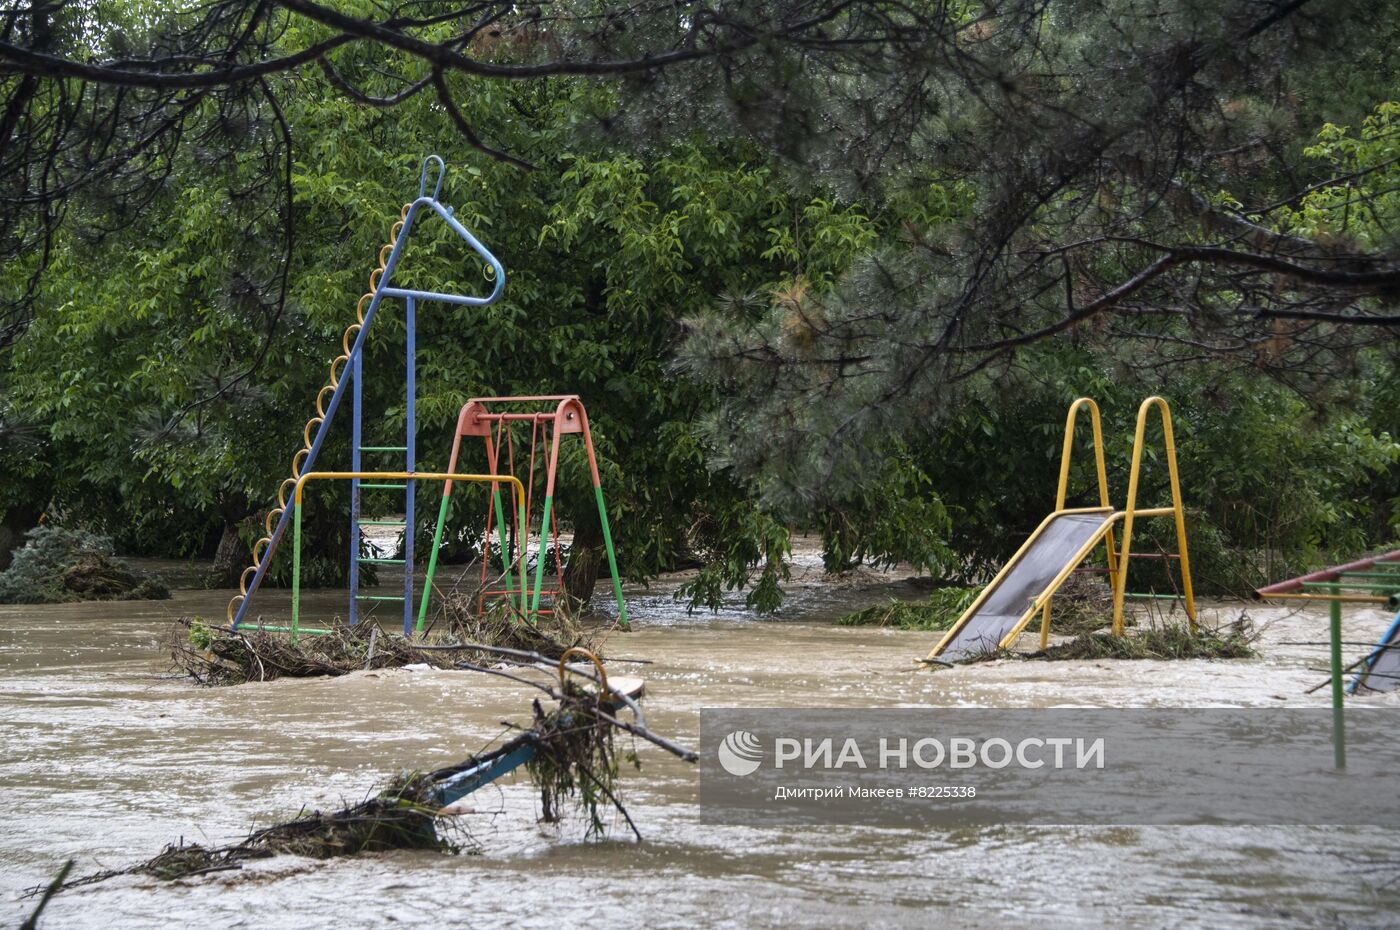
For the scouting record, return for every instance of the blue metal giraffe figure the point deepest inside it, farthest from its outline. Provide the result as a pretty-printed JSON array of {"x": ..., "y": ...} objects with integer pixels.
[{"x": 350, "y": 364}]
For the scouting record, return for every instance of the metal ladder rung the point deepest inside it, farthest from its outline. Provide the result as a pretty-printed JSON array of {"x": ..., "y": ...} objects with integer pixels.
[
  {"x": 383, "y": 523},
  {"x": 383, "y": 448},
  {"x": 381, "y": 561},
  {"x": 379, "y": 597},
  {"x": 385, "y": 487}
]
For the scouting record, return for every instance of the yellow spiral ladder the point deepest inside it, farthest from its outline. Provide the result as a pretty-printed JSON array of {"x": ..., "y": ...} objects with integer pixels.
[{"x": 337, "y": 369}]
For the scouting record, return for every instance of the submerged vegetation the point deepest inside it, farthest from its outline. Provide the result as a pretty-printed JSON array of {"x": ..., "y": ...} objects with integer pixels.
[
  {"x": 938, "y": 611},
  {"x": 1082, "y": 604},
  {"x": 57, "y": 565},
  {"x": 1167, "y": 640}
]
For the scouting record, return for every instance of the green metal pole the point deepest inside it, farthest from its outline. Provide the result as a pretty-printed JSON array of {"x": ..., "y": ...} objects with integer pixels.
[
  {"x": 1339, "y": 736},
  {"x": 525, "y": 528},
  {"x": 539, "y": 563},
  {"x": 296, "y": 568},
  {"x": 612, "y": 556},
  {"x": 505, "y": 546},
  {"x": 432, "y": 565}
]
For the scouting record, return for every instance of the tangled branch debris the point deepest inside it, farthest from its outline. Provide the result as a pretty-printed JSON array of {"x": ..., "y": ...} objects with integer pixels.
[
  {"x": 1168, "y": 640},
  {"x": 399, "y": 817},
  {"x": 551, "y": 635},
  {"x": 1082, "y": 605},
  {"x": 579, "y": 763},
  {"x": 574, "y": 764},
  {"x": 1159, "y": 640},
  {"x": 218, "y": 656}
]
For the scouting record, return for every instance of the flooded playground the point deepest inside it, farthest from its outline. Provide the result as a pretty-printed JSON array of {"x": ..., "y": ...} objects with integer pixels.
[{"x": 108, "y": 757}]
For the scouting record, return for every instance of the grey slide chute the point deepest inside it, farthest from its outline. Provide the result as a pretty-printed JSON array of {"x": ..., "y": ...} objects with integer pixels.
[{"x": 1061, "y": 541}]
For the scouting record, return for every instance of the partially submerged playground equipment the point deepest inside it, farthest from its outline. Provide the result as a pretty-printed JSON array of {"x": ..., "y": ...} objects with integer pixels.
[
  {"x": 568, "y": 744},
  {"x": 1026, "y": 585},
  {"x": 568, "y": 751},
  {"x": 563, "y": 415},
  {"x": 1375, "y": 581}
]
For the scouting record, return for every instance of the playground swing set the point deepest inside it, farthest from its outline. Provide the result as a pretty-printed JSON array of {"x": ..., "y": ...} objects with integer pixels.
[
  {"x": 1026, "y": 585},
  {"x": 495, "y": 419}
]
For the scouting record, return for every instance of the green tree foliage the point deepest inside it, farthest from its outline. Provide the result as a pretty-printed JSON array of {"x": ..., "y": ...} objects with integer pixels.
[
  {"x": 857, "y": 300},
  {"x": 1131, "y": 179},
  {"x": 169, "y": 412}
]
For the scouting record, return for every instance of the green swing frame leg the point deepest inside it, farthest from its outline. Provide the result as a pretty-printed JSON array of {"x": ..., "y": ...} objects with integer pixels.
[
  {"x": 612, "y": 557},
  {"x": 437, "y": 545},
  {"x": 1339, "y": 730}
]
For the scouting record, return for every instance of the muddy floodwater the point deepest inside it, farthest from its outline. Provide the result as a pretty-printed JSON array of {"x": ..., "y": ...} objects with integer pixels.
[{"x": 107, "y": 757}]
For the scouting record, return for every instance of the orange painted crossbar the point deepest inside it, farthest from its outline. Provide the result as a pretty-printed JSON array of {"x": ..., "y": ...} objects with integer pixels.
[{"x": 1294, "y": 588}]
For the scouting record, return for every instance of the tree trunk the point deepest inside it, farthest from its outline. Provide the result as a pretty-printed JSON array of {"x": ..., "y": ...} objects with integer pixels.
[
  {"x": 586, "y": 559},
  {"x": 17, "y": 522},
  {"x": 230, "y": 558}
]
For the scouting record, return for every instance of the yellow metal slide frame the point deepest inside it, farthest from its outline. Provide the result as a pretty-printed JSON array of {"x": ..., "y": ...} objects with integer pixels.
[{"x": 1118, "y": 560}]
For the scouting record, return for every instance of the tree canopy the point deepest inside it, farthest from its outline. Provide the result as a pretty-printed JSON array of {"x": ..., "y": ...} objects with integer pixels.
[{"x": 825, "y": 265}]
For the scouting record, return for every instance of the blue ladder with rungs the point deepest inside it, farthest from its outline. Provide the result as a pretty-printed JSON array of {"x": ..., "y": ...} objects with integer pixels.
[{"x": 410, "y": 452}]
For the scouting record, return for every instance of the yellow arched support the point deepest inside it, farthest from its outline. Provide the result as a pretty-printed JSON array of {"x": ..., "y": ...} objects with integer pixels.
[
  {"x": 517, "y": 495},
  {"x": 1068, "y": 450},
  {"x": 1065, "y": 453},
  {"x": 1169, "y": 441}
]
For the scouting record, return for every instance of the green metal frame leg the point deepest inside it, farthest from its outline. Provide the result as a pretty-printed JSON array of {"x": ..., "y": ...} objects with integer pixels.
[
  {"x": 539, "y": 562},
  {"x": 520, "y": 510},
  {"x": 432, "y": 565},
  {"x": 504, "y": 541},
  {"x": 1339, "y": 735},
  {"x": 612, "y": 556}
]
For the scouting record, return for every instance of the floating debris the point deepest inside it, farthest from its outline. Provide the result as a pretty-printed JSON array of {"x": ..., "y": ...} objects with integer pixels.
[
  {"x": 399, "y": 817},
  {"x": 569, "y": 752},
  {"x": 220, "y": 656},
  {"x": 1168, "y": 640}
]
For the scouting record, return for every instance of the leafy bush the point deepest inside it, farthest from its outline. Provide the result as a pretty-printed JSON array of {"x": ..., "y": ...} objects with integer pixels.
[{"x": 57, "y": 565}]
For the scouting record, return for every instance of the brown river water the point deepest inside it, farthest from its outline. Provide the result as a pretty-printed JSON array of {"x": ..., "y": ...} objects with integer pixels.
[{"x": 107, "y": 757}]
